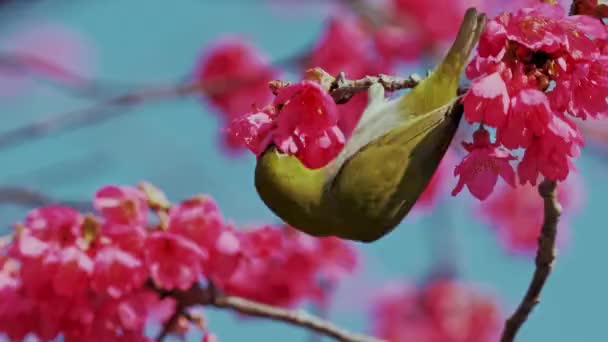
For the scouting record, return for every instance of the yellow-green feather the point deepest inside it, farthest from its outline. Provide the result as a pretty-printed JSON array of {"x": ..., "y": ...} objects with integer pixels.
[{"x": 441, "y": 85}]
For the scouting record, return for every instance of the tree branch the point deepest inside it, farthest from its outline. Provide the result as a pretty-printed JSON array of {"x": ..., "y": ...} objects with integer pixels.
[
  {"x": 170, "y": 323},
  {"x": 59, "y": 76},
  {"x": 209, "y": 296},
  {"x": 31, "y": 199},
  {"x": 544, "y": 260},
  {"x": 95, "y": 114},
  {"x": 341, "y": 90},
  {"x": 545, "y": 256}
]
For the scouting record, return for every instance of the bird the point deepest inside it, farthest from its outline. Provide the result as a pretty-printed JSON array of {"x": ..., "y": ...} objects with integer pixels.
[{"x": 386, "y": 164}]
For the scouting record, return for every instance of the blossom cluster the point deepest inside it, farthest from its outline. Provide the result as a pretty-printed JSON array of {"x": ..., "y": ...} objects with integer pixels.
[
  {"x": 94, "y": 277},
  {"x": 235, "y": 75},
  {"x": 442, "y": 310},
  {"x": 302, "y": 121},
  {"x": 536, "y": 71}
]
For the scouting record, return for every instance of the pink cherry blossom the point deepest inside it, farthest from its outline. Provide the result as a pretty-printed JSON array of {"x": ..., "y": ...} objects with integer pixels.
[
  {"x": 342, "y": 48},
  {"x": 422, "y": 16},
  {"x": 537, "y": 28},
  {"x": 397, "y": 43},
  {"x": 350, "y": 113},
  {"x": 495, "y": 7},
  {"x": 305, "y": 125},
  {"x": 199, "y": 219},
  {"x": 73, "y": 272},
  {"x": 94, "y": 286},
  {"x": 173, "y": 261},
  {"x": 340, "y": 259},
  {"x": 480, "y": 169},
  {"x": 529, "y": 117},
  {"x": 254, "y": 130},
  {"x": 493, "y": 40},
  {"x": 442, "y": 310},
  {"x": 549, "y": 155},
  {"x": 233, "y": 64},
  {"x": 306, "y": 107},
  {"x": 536, "y": 68},
  {"x": 488, "y": 101},
  {"x": 117, "y": 272},
  {"x": 55, "y": 224},
  {"x": 283, "y": 266},
  {"x": 589, "y": 84},
  {"x": 128, "y": 238},
  {"x": 122, "y": 205}
]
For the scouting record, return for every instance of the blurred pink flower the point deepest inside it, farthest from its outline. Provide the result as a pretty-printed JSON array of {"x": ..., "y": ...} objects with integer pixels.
[
  {"x": 495, "y": 7},
  {"x": 122, "y": 205},
  {"x": 174, "y": 261},
  {"x": 343, "y": 47},
  {"x": 239, "y": 74},
  {"x": 441, "y": 311},
  {"x": 284, "y": 266},
  {"x": 436, "y": 20},
  {"x": 516, "y": 214},
  {"x": 49, "y": 50},
  {"x": 117, "y": 272}
]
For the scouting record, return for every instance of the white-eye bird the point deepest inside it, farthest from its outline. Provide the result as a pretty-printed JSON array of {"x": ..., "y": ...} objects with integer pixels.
[{"x": 386, "y": 164}]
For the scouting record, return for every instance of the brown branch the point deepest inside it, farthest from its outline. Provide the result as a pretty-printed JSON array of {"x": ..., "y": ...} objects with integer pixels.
[
  {"x": 342, "y": 89},
  {"x": 209, "y": 296},
  {"x": 170, "y": 323},
  {"x": 589, "y": 7},
  {"x": 91, "y": 115},
  {"x": 83, "y": 86},
  {"x": 299, "y": 318},
  {"x": 544, "y": 260},
  {"x": 28, "y": 198},
  {"x": 545, "y": 256},
  {"x": 115, "y": 105},
  {"x": 49, "y": 71}
]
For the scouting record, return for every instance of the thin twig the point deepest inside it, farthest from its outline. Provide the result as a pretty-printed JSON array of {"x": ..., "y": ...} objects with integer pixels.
[
  {"x": 545, "y": 256},
  {"x": 84, "y": 86},
  {"x": 342, "y": 89},
  {"x": 299, "y": 318},
  {"x": 59, "y": 76},
  {"x": 209, "y": 296},
  {"x": 28, "y": 198},
  {"x": 95, "y": 114},
  {"x": 169, "y": 324},
  {"x": 544, "y": 260}
]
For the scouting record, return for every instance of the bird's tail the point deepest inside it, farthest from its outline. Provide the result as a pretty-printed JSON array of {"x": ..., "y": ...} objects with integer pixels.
[{"x": 441, "y": 86}]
